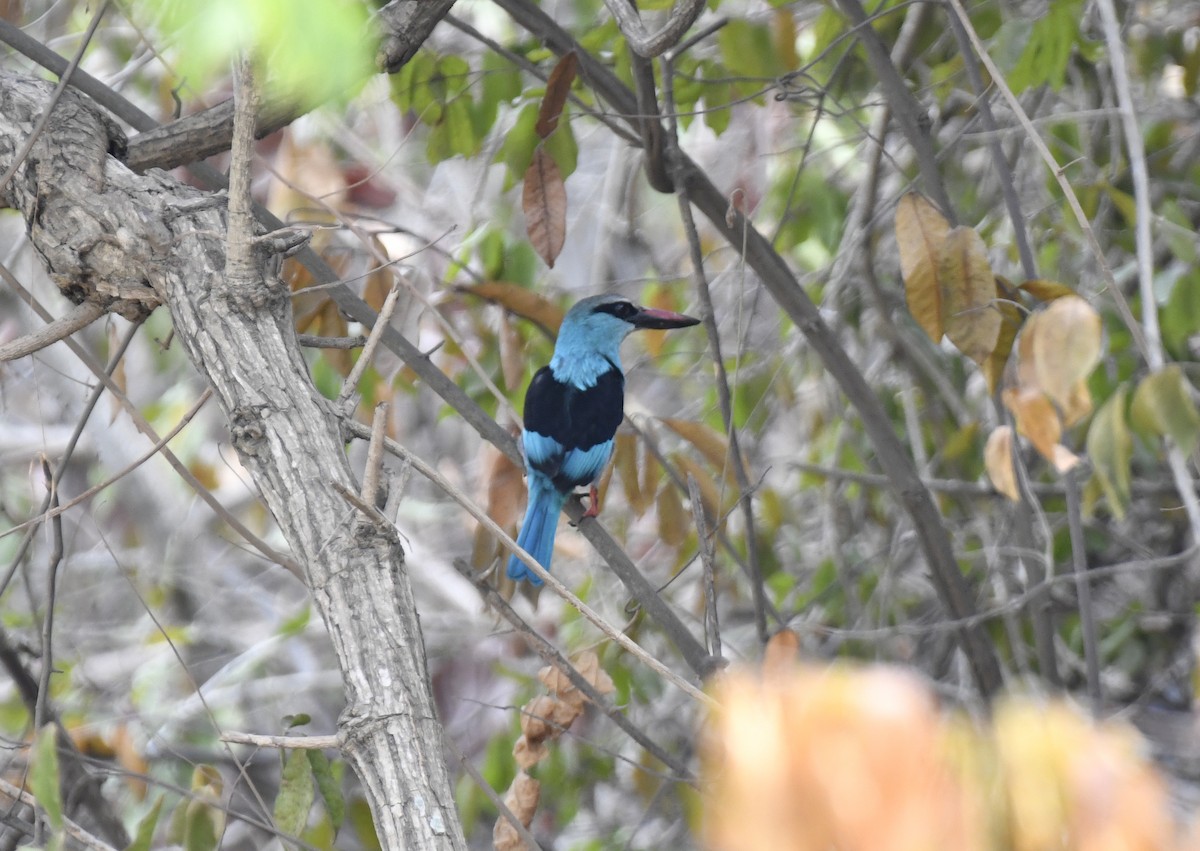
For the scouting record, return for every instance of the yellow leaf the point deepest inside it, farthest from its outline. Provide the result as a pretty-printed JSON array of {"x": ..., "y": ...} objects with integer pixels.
[
  {"x": 920, "y": 232},
  {"x": 997, "y": 459},
  {"x": 1065, "y": 346},
  {"x": 1078, "y": 404},
  {"x": 544, "y": 201},
  {"x": 968, "y": 289}
]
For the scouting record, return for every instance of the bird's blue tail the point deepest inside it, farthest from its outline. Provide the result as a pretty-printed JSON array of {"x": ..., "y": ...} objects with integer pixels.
[{"x": 538, "y": 528}]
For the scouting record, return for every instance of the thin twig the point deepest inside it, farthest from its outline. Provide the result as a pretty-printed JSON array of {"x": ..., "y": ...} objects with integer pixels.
[
  {"x": 306, "y": 743},
  {"x": 143, "y": 425},
  {"x": 350, "y": 385},
  {"x": 53, "y": 513},
  {"x": 712, "y": 625},
  {"x": 648, "y": 45},
  {"x": 493, "y": 796},
  {"x": 724, "y": 393},
  {"x": 374, "y": 466},
  {"x": 41, "y": 708},
  {"x": 1135, "y": 330},
  {"x": 1083, "y": 589},
  {"x": 548, "y": 578},
  {"x": 551, "y": 656},
  {"x": 72, "y": 829}
]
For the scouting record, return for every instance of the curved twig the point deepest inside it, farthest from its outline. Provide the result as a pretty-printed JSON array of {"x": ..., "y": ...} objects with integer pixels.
[
  {"x": 648, "y": 45},
  {"x": 76, "y": 319}
]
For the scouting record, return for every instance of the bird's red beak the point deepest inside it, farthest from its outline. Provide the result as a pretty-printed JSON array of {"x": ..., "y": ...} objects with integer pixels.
[{"x": 651, "y": 317}]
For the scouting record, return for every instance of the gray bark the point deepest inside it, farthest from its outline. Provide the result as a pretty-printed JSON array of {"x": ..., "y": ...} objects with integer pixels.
[{"x": 132, "y": 241}]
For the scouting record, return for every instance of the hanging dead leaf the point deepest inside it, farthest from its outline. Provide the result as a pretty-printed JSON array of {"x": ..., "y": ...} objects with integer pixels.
[
  {"x": 998, "y": 461},
  {"x": 1036, "y": 419},
  {"x": 710, "y": 491},
  {"x": 309, "y": 182},
  {"x": 1078, "y": 404},
  {"x": 711, "y": 443},
  {"x": 1063, "y": 459},
  {"x": 512, "y": 354},
  {"x": 1046, "y": 290},
  {"x": 672, "y": 519},
  {"x": 1011, "y": 319},
  {"x": 505, "y": 496},
  {"x": 625, "y": 457},
  {"x": 971, "y": 320},
  {"x": 520, "y": 300},
  {"x": 522, "y": 800},
  {"x": 544, "y": 201},
  {"x": 920, "y": 231},
  {"x": 1065, "y": 346},
  {"x": 558, "y": 87},
  {"x": 652, "y": 473}
]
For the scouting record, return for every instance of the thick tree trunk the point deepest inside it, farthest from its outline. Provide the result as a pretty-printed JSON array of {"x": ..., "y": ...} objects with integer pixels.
[{"x": 107, "y": 233}]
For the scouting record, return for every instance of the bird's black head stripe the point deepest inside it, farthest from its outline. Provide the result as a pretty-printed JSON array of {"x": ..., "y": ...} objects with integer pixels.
[{"x": 620, "y": 309}]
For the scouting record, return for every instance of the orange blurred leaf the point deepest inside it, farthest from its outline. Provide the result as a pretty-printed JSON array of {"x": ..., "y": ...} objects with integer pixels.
[
  {"x": 920, "y": 231},
  {"x": 625, "y": 461},
  {"x": 505, "y": 496},
  {"x": 544, "y": 201},
  {"x": 1011, "y": 319},
  {"x": 1036, "y": 419},
  {"x": 558, "y": 87}
]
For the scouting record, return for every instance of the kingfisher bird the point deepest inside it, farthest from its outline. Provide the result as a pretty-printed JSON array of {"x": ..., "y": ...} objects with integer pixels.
[{"x": 572, "y": 409}]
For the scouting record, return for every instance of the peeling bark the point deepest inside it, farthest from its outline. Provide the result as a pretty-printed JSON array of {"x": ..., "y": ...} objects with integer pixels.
[{"x": 134, "y": 241}]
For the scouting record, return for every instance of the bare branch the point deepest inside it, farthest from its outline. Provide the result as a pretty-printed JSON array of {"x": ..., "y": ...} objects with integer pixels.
[
  {"x": 648, "y": 45},
  {"x": 77, "y": 318}
]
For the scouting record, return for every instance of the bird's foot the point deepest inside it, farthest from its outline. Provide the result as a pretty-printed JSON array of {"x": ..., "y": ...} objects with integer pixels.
[{"x": 593, "y": 509}]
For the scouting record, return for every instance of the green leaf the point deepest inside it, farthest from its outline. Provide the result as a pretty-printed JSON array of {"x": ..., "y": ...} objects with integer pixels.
[
  {"x": 44, "y": 777},
  {"x": 519, "y": 144},
  {"x": 1110, "y": 447},
  {"x": 296, "y": 794},
  {"x": 329, "y": 787},
  {"x": 1162, "y": 404},
  {"x": 747, "y": 51},
  {"x": 1048, "y": 47},
  {"x": 1181, "y": 315},
  {"x": 298, "y": 720},
  {"x": 316, "y": 50},
  {"x": 201, "y": 826},
  {"x": 296, "y": 624},
  {"x": 145, "y": 829},
  {"x": 718, "y": 94},
  {"x": 562, "y": 148},
  {"x": 364, "y": 826}
]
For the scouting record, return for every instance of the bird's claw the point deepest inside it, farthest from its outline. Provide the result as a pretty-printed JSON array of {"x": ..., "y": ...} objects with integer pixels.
[{"x": 593, "y": 509}]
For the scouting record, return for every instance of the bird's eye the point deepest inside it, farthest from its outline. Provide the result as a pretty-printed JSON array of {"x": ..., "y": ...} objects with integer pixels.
[{"x": 624, "y": 310}]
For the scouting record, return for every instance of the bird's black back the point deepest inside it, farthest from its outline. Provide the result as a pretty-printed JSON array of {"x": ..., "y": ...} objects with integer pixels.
[{"x": 575, "y": 419}]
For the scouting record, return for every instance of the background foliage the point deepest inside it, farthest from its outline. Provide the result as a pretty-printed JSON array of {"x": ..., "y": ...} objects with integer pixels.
[{"x": 169, "y": 629}]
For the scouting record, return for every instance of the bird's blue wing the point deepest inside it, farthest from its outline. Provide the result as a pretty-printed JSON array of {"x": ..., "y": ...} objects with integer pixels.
[{"x": 568, "y": 430}]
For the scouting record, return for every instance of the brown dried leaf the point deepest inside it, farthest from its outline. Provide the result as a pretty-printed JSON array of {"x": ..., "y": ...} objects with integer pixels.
[
  {"x": 505, "y": 495},
  {"x": 968, "y": 288},
  {"x": 1011, "y": 319},
  {"x": 535, "y": 718},
  {"x": 558, "y": 87},
  {"x": 1065, "y": 346},
  {"x": 1036, "y": 419},
  {"x": 920, "y": 231},
  {"x": 711, "y": 443},
  {"x": 529, "y": 753},
  {"x": 512, "y": 354},
  {"x": 710, "y": 491},
  {"x": 1046, "y": 290},
  {"x": 997, "y": 459},
  {"x": 544, "y": 201},
  {"x": 672, "y": 519},
  {"x": 625, "y": 462},
  {"x": 521, "y": 301}
]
